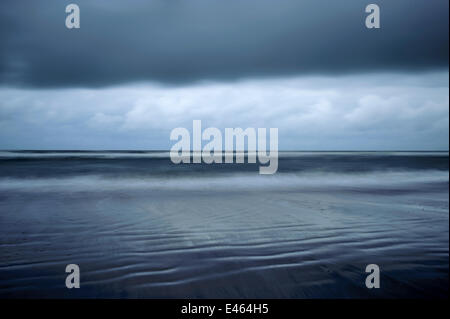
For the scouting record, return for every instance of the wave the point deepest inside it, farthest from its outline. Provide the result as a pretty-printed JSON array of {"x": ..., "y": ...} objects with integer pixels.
[
  {"x": 20, "y": 155},
  {"x": 235, "y": 182}
]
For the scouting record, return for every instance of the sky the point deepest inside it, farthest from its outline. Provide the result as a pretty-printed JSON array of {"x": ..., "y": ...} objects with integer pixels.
[{"x": 136, "y": 70}]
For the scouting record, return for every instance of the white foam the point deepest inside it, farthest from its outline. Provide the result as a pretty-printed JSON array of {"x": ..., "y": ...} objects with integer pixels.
[{"x": 244, "y": 181}]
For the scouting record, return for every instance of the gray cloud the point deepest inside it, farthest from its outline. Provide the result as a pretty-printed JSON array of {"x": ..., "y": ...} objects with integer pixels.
[
  {"x": 176, "y": 42},
  {"x": 353, "y": 112}
]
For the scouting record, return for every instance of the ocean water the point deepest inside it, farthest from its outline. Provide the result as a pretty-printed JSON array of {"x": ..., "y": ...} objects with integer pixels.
[{"x": 140, "y": 226}]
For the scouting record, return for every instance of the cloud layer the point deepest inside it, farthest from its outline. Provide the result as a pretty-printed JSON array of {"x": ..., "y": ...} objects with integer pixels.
[
  {"x": 177, "y": 42},
  {"x": 136, "y": 70},
  {"x": 365, "y": 112}
]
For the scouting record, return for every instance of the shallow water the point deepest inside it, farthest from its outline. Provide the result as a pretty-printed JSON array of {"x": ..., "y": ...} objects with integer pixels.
[{"x": 140, "y": 226}]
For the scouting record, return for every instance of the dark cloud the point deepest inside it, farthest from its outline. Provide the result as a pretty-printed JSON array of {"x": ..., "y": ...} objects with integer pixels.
[{"x": 187, "y": 40}]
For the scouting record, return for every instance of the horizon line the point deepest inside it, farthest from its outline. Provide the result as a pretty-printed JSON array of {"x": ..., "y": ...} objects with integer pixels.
[{"x": 168, "y": 150}]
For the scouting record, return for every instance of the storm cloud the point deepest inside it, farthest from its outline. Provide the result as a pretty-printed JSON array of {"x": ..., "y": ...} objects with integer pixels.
[
  {"x": 135, "y": 70},
  {"x": 182, "y": 41}
]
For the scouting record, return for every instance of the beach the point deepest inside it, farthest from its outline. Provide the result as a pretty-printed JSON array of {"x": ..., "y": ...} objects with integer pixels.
[{"x": 140, "y": 226}]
